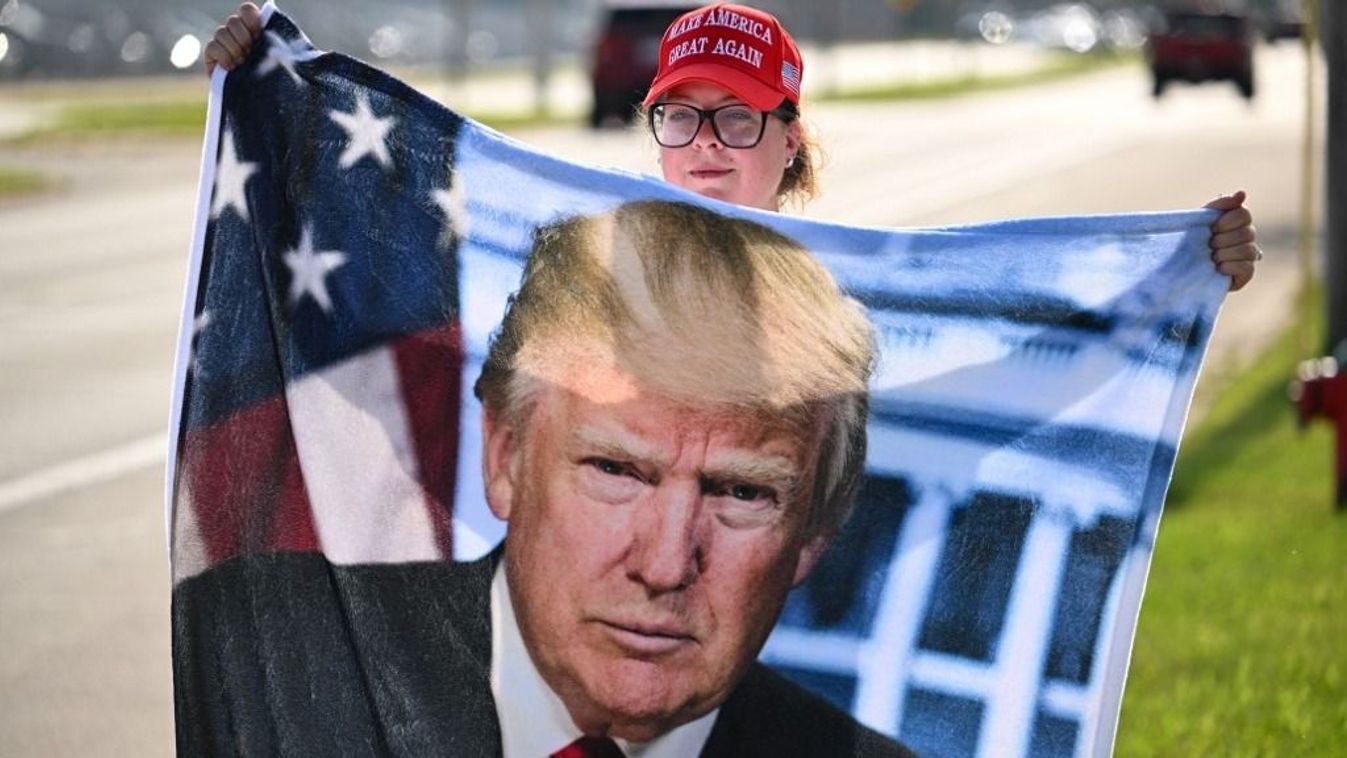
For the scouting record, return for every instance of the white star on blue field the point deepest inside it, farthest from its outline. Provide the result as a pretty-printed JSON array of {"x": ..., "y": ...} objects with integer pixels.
[
  {"x": 367, "y": 134},
  {"x": 285, "y": 54},
  {"x": 309, "y": 269},
  {"x": 231, "y": 176}
]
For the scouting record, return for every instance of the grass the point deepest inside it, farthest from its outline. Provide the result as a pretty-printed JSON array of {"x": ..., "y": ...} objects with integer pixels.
[
  {"x": 1241, "y": 648},
  {"x": 172, "y": 118},
  {"x": 184, "y": 117},
  {"x": 1061, "y": 67},
  {"x": 504, "y": 122},
  {"x": 187, "y": 117},
  {"x": 20, "y": 182}
]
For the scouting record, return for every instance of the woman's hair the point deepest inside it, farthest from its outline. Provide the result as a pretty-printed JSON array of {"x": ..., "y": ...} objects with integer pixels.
[{"x": 799, "y": 184}]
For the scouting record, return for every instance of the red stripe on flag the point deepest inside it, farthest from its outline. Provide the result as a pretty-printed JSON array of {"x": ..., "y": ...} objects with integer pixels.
[
  {"x": 246, "y": 487},
  {"x": 430, "y": 368}
]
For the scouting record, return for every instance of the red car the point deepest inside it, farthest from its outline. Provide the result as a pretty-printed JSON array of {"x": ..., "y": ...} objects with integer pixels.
[
  {"x": 626, "y": 54},
  {"x": 1199, "y": 47}
]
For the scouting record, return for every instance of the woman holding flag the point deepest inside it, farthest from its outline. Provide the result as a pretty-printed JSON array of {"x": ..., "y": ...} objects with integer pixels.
[{"x": 725, "y": 111}]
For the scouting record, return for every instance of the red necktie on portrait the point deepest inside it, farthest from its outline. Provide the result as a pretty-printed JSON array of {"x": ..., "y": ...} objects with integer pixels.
[{"x": 590, "y": 747}]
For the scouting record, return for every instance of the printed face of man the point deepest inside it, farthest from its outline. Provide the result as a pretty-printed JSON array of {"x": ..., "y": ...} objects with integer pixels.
[{"x": 651, "y": 545}]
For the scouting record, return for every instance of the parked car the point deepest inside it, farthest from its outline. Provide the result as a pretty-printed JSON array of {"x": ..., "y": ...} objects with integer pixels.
[
  {"x": 626, "y": 55},
  {"x": 1198, "y": 47}
]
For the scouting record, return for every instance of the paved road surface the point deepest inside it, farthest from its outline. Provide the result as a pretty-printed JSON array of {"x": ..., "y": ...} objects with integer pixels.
[{"x": 90, "y": 282}]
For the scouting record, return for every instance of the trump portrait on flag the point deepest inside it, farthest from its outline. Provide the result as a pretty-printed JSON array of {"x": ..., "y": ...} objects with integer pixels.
[
  {"x": 482, "y": 452},
  {"x": 674, "y": 426}
]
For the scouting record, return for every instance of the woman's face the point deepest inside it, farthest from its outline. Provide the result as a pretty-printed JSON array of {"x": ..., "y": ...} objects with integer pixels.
[{"x": 746, "y": 176}]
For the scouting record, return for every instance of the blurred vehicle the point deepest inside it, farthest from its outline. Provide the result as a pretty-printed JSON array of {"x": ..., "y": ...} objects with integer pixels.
[
  {"x": 626, "y": 56},
  {"x": 1198, "y": 47},
  {"x": 1283, "y": 21}
]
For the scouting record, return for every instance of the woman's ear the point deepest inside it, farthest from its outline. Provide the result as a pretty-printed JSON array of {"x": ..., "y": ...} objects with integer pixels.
[{"x": 794, "y": 136}]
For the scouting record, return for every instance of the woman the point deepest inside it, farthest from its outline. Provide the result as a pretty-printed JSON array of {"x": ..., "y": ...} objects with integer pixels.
[{"x": 725, "y": 110}]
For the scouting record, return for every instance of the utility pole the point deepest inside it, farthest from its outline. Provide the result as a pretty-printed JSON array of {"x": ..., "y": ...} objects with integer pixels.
[
  {"x": 540, "y": 39},
  {"x": 460, "y": 15},
  {"x": 1333, "y": 37},
  {"x": 827, "y": 25},
  {"x": 1321, "y": 389}
]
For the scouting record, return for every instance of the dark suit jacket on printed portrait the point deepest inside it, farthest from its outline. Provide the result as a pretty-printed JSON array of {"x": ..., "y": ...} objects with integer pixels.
[{"x": 287, "y": 654}]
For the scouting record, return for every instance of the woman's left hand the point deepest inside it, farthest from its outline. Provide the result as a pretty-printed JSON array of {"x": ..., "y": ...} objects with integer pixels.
[{"x": 1234, "y": 242}]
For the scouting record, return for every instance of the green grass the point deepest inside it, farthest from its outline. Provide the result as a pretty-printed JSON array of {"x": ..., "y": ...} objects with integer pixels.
[
  {"x": 1061, "y": 67},
  {"x": 187, "y": 117},
  {"x": 504, "y": 122},
  {"x": 1242, "y": 643},
  {"x": 20, "y": 182},
  {"x": 172, "y": 118}
]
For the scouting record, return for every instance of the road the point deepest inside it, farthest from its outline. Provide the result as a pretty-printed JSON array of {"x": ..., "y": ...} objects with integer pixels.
[{"x": 90, "y": 282}]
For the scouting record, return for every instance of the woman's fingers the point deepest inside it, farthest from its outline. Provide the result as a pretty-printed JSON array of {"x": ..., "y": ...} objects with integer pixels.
[
  {"x": 241, "y": 34},
  {"x": 1226, "y": 202},
  {"x": 1234, "y": 240},
  {"x": 1233, "y": 219},
  {"x": 251, "y": 16},
  {"x": 234, "y": 38},
  {"x": 1239, "y": 236},
  {"x": 1240, "y": 272}
]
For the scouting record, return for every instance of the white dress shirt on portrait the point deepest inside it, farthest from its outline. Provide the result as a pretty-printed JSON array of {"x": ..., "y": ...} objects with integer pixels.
[{"x": 534, "y": 722}]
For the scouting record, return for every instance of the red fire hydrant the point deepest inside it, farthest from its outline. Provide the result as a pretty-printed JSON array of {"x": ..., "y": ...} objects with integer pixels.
[{"x": 1321, "y": 391}]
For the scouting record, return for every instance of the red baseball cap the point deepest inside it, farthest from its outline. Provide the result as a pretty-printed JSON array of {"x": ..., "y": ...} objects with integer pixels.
[{"x": 742, "y": 49}]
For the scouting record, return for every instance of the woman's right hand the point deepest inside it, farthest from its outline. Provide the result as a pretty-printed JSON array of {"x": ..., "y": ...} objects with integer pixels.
[{"x": 233, "y": 39}]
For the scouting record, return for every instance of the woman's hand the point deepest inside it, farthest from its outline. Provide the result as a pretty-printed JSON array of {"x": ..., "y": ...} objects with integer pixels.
[
  {"x": 1234, "y": 245},
  {"x": 233, "y": 39}
]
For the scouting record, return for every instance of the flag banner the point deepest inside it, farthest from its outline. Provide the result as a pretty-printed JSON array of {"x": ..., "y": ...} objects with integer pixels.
[{"x": 356, "y": 246}]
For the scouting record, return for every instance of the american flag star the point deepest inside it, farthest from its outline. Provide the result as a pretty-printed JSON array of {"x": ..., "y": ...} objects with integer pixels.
[
  {"x": 231, "y": 179},
  {"x": 454, "y": 206},
  {"x": 367, "y": 134},
  {"x": 309, "y": 269},
  {"x": 283, "y": 53}
]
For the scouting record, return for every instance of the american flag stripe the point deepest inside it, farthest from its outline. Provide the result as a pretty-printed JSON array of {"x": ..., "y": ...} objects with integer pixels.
[
  {"x": 431, "y": 394},
  {"x": 390, "y": 468},
  {"x": 357, "y": 455},
  {"x": 242, "y": 484},
  {"x": 790, "y": 77}
]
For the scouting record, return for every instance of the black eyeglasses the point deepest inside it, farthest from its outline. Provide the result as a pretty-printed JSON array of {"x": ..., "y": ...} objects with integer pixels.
[{"x": 736, "y": 125}]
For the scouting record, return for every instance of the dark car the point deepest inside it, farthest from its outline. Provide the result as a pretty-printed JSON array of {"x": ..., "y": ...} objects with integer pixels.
[
  {"x": 1283, "y": 21},
  {"x": 626, "y": 55},
  {"x": 1199, "y": 47}
]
